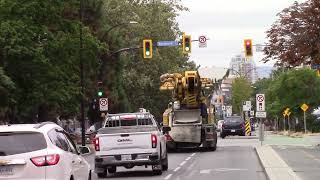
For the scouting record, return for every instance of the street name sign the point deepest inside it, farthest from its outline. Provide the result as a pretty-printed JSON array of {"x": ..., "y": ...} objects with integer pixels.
[
  {"x": 260, "y": 100},
  {"x": 103, "y": 104},
  {"x": 167, "y": 43}
]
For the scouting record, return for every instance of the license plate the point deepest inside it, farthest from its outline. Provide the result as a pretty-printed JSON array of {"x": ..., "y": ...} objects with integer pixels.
[
  {"x": 126, "y": 157},
  {"x": 233, "y": 130},
  {"x": 6, "y": 170}
]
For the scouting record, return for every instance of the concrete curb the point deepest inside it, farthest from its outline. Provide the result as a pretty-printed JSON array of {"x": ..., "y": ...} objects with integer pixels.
[
  {"x": 263, "y": 168},
  {"x": 274, "y": 166}
]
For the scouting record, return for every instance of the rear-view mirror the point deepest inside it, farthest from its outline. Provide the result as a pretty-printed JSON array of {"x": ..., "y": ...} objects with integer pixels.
[{"x": 166, "y": 129}]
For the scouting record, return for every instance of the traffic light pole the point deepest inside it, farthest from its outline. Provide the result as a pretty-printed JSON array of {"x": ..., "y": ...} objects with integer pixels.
[{"x": 83, "y": 140}]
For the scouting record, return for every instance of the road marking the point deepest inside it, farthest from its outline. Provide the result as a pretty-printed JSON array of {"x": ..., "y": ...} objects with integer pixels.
[
  {"x": 188, "y": 158},
  {"x": 168, "y": 177},
  {"x": 310, "y": 156},
  {"x": 183, "y": 163},
  {"x": 176, "y": 169},
  {"x": 205, "y": 171},
  {"x": 229, "y": 169},
  {"x": 193, "y": 154}
]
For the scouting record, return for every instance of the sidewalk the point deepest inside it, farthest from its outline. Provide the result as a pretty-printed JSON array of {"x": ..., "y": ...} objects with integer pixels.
[
  {"x": 275, "y": 167},
  {"x": 280, "y": 156}
]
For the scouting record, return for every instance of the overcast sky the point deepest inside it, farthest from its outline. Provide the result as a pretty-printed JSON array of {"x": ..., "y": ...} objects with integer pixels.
[{"x": 227, "y": 23}]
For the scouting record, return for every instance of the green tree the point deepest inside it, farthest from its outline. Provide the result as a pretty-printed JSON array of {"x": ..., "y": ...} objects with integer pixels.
[{"x": 241, "y": 91}]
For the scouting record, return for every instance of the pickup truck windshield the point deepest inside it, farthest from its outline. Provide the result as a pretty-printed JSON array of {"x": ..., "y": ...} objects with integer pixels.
[{"x": 128, "y": 121}]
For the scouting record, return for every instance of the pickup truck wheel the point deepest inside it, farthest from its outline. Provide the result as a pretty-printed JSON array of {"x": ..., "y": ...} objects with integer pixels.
[
  {"x": 102, "y": 175},
  {"x": 155, "y": 168},
  {"x": 165, "y": 163},
  {"x": 112, "y": 169}
]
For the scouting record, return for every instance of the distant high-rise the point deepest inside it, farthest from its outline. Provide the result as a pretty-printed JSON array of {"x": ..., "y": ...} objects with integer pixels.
[{"x": 240, "y": 66}]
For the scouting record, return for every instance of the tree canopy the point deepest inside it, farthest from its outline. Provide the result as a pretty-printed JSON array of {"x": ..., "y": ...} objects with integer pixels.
[
  {"x": 39, "y": 56},
  {"x": 294, "y": 38}
]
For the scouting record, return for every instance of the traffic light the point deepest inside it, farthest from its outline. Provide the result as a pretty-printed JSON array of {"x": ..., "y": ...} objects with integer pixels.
[
  {"x": 186, "y": 44},
  {"x": 248, "y": 47},
  {"x": 100, "y": 89},
  {"x": 147, "y": 48}
]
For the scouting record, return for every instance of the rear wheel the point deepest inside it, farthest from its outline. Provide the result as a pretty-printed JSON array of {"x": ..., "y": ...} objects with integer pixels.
[
  {"x": 165, "y": 163},
  {"x": 222, "y": 135},
  {"x": 102, "y": 175},
  {"x": 89, "y": 176},
  {"x": 157, "y": 169},
  {"x": 112, "y": 169}
]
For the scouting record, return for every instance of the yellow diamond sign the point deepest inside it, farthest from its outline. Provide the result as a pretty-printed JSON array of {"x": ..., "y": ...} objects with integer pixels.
[{"x": 304, "y": 107}]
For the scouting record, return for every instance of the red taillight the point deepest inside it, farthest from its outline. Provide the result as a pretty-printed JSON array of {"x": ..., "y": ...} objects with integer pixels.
[
  {"x": 48, "y": 160},
  {"x": 153, "y": 141},
  {"x": 52, "y": 159},
  {"x": 168, "y": 137},
  {"x": 97, "y": 144},
  {"x": 39, "y": 161}
]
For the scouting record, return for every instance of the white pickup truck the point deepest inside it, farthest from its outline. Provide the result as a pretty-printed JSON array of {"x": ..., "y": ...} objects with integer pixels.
[{"x": 128, "y": 140}]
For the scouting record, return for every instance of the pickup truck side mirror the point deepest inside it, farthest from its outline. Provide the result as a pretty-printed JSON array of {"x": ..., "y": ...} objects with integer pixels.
[
  {"x": 84, "y": 150},
  {"x": 166, "y": 129}
]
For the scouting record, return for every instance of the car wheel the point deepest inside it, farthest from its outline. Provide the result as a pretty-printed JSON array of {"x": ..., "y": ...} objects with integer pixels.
[
  {"x": 222, "y": 135},
  {"x": 112, "y": 169},
  {"x": 89, "y": 176},
  {"x": 165, "y": 163},
  {"x": 102, "y": 175},
  {"x": 157, "y": 169}
]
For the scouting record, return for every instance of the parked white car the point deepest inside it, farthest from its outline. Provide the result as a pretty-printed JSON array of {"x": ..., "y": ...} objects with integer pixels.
[
  {"x": 39, "y": 152},
  {"x": 130, "y": 140}
]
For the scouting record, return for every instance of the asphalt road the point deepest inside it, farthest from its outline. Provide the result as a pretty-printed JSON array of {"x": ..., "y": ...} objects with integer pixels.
[
  {"x": 304, "y": 161},
  {"x": 235, "y": 158}
]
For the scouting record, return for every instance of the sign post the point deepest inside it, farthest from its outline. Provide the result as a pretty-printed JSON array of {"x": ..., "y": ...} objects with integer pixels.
[
  {"x": 260, "y": 113},
  {"x": 304, "y": 108}
]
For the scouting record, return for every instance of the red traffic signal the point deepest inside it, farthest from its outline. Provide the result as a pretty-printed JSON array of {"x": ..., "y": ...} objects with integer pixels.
[{"x": 248, "y": 47}]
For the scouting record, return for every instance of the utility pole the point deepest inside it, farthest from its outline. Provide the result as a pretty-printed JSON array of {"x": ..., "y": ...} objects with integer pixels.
[{"x": 83, "y": 140}]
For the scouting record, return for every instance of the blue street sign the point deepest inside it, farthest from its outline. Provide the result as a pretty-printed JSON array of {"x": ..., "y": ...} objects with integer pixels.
[
  {"x": 167, "y": 43},
  {"x": 315, "y": 66}
]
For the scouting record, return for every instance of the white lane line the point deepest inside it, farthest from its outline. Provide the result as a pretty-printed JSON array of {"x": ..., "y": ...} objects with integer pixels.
[
  {"x": 205, "y": 171},
  {"x": 176, "y": 169},
  {"x": 183, "y": 163},
  {"x": 193, "y": 154},
  {"x": 188, "y": 158},
  {"x": 168, "y": 177}
]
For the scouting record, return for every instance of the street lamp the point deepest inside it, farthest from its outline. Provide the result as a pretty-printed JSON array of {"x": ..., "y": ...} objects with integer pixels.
[{"x": 121, "y": 24}]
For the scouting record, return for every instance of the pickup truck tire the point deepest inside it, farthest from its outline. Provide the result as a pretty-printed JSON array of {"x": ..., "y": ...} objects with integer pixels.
[
  {"x": 112, "y": 169},
  {"x": 158, "y": 171},
  {"x": 165, "y": 163},
  {"x": 102, "y": 175}
]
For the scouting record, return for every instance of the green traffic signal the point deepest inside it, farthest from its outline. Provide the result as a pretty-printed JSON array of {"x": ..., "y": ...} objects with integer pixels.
[{"x": 100, "y": 93}]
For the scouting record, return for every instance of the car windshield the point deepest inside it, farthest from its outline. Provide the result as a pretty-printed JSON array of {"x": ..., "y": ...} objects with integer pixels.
[
  {"x": 21, "y": 142},
  {"x": 233, "y": 120}
]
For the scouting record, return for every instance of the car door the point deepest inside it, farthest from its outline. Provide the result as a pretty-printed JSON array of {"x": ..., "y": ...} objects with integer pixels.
[{"x": 80, "y": 166}]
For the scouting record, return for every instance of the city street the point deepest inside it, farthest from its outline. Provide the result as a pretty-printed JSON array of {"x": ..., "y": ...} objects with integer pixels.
[{"x": 235, "y": 158}]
